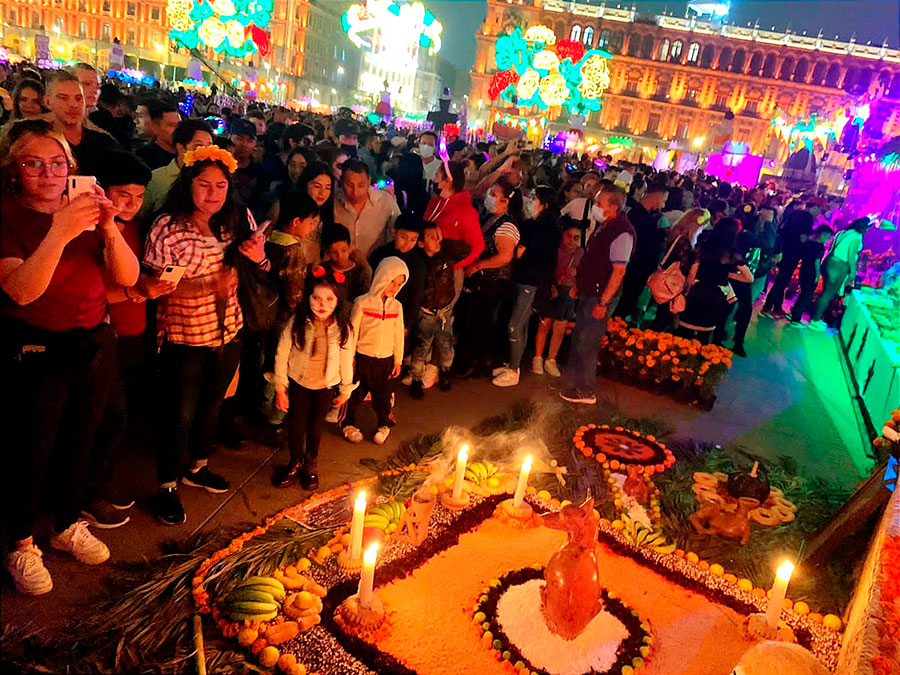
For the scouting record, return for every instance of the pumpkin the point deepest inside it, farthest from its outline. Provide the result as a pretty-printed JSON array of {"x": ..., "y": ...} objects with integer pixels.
[{"x": 749, "y": 484}]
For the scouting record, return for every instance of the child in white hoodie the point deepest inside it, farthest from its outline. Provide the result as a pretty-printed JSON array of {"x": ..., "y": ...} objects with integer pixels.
[
  {"x": 314, "y": 355},
  {"x": 377, "y": 324}
]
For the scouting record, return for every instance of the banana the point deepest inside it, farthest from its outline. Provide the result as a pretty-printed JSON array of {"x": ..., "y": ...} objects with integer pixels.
[
  {"x": 641, "y": 536},
  {"x": 274, "y": 593},
  {"x": 479, "y": 470},
  {"x": 401, "y": 509},
  {"x": 268, "y": 581},
  {"x": 471, "y": 477},
  {"x": 247, "y": 607},
  {"x": 249, "y": 594},
  {"x": 491, "y": 469},
  {"x": 380, "y": 510},
  {"x": 243, "y": 616},
  {"x": 395, "y": 510},
  {"x": 381, "y": 522},
  {"x": 654, "y": 539},
  {"x": 665, "y": 549}
]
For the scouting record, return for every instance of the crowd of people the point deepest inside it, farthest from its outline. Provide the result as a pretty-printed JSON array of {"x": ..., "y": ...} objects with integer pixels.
[{"x": 269, "y": 272}]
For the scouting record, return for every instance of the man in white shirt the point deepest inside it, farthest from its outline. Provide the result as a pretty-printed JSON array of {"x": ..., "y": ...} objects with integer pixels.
[
  {"x": 427, "y": 145},
  {"x": 368, "y": 213}
]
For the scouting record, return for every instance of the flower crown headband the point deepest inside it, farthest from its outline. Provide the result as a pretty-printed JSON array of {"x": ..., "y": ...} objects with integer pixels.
[{"x": 211, "y": 153}]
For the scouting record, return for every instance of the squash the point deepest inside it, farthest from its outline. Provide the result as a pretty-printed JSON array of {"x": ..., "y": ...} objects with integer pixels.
[{"x": 749, "y": 484}]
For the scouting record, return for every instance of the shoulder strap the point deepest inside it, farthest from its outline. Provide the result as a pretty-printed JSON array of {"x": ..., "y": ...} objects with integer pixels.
[
  {"x": 669, "y": 252},
  {"x": 587, "y": 210}
]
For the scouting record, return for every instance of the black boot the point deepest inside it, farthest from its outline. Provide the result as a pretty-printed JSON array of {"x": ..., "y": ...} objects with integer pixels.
[
  {"x": 309, "y": 475},
  {"x": 417, "y": 389},
  {"x": 445, "y": 380},
  {"x": 284, "y": 476}
]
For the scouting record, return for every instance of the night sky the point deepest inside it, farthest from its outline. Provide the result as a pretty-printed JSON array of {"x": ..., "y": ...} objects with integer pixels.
[{"x": 872, "y": 20}]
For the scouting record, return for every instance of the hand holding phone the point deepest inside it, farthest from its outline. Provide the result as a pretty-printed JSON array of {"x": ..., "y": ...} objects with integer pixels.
[
  {"x": 82, "y": 185},
  {"x": 79, "y": 215},
  {"x": 172, "y": 273}
]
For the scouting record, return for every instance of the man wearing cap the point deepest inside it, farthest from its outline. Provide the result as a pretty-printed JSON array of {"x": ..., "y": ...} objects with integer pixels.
[
  {"x": 248, "y": 178},
  {"x": 368, "y": 213}
]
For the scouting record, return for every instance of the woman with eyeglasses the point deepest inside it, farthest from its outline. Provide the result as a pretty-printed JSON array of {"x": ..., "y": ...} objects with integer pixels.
[{"x": 57, "y": 352}]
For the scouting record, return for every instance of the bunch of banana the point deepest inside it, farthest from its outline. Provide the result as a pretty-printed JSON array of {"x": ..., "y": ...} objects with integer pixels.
[
  {"x": 256, "y": 598},
  {"x": 641, "y": 536},
  {"x": 385, "y": 516},
  {"x": 478, "y": 472}
]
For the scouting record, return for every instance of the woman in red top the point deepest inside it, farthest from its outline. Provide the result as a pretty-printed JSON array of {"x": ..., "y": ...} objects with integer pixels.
[
  {"x": 453, "y": 212},
  {"x": 57, "y": 353}
]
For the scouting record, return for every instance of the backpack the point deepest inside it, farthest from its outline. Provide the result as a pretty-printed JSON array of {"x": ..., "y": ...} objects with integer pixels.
[{"x": 666, "y": 282}]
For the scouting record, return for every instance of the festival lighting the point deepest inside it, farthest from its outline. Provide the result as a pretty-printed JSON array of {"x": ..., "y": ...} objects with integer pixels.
[
  {"x": 542, "y": 34},
  {"x": 233, "y": 27},
  {"x": 394, "y": 21}
]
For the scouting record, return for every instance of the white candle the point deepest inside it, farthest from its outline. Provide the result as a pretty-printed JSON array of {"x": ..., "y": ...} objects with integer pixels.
[
  {"x": 778, "y": 592},
  {"x": 461, "y": 460},
  {"x": 523, "y": 482},
  {"x": 356, "y": 526},
  {"x": 367, "y": 576}
]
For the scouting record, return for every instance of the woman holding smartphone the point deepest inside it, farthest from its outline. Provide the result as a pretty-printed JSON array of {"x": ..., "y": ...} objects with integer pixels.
[
  {"x": 198, "y": 324},
  {"x": 57, "y": 353}
]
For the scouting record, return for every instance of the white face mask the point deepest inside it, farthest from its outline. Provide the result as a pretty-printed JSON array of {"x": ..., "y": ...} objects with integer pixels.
[
  {"x": 530, "y": 208},
  {"x": 490, "y": 203},
  {"x": 426, "y": 151},
  {"x": 597, "y": 214}
]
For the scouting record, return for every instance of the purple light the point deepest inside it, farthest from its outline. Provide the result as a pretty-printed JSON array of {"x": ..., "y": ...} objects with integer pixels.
[{"x": 743, "y": 169}]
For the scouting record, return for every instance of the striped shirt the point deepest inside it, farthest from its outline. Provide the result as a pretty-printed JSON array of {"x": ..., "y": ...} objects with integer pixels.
[{"x": 198, "y": 321}]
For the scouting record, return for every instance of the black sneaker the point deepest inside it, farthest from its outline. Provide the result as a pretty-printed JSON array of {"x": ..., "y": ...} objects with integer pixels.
[
  {"x": 417, "y": 389},
  {"x": 445, "y": 380},
  {"x": 206, "y": 479},
  {"x": 103, "y": 515},
  {"x": 740, "y": 351},
  {"x": 167, "y": 507}
]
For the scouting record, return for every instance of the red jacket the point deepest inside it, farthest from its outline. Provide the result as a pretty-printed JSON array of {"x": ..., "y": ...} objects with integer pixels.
[{"x": 458, "y": 220}]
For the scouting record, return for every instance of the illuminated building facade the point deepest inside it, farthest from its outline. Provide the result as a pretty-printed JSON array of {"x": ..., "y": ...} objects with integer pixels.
[{"x": 674, "y": 78}]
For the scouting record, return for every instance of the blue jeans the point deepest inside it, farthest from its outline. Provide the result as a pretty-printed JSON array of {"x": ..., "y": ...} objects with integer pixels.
[
  {"x": 518, "y": 323},
  {"x": 581, "y": 368},
  {"x": 430, "y": 331}
]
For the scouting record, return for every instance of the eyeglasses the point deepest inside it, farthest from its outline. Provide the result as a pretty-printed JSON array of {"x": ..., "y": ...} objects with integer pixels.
[{"x": 36, "y": 167}]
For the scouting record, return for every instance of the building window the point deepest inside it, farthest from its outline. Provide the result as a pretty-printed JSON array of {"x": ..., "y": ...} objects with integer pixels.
[
  {"x": 664, "y": 50},
  {"x": 60, "y": 24},
  {"x": 335, "y": 51},
  {"x": 634, "y": 46},
  {"x": 588, "y": 38},
  {"x": 693, "y": 53},
  {"x": 677, "y": 48},
  {"x": 575, "y": 35},
  {"x": 801, "y": 71},
  {"x": 616, "y": 41},
  {"x": 154, "y": 13},
  {"x": 603, "y": 43},
  {"x": 833, "y": 76},
  {"x": 631, "y": 88},
  {"x": 786, "y": 69},
  {"x": 106, "y": 32},
  {"x": 737, "y": 61},
  {"x": 647, "y": 47},
  {"x": 770, "y": 66},
  {"x": 724, "y": 59},
  {"x": 82, "y": 29},
  {"x": 624, "y": 118},
  {"x": 107, "y": 6},
  {"x": 683, "y": 126},
  {"x": 707, "y": 57},
  {"x": 132, "y": 9},
  {"x": 756, "y": 62},
  {"x": 343, "y": 55},
  {"x": 130, "y": 37},
  {"x": 653, "y": 123},
  {"x": 35, "y": 20}
]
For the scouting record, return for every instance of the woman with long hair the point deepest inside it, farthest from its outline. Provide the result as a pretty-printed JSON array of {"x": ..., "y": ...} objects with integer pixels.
[
  {"x": 317, "y": 181},
  {"x": 198, "y": 324},
  {"x": 57, "y": 352},
  {"x": 297, "y": 161},
  {"x": 28, "y": 99},
  {"x": 315, "y": 355}
]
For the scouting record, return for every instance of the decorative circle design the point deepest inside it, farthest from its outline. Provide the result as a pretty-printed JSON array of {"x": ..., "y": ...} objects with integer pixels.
[
  {"x": 633, "y": 648},
  {"x": 619, "y": 448}
]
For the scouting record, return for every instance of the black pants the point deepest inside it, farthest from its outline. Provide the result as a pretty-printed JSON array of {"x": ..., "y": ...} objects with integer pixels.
[
  {"x": 742, "y": 310},
  {"x": 477, "y": 318},
  {"x": 804, "y": 299},
  {"x": 251, "y": 386},
  {"x": 775, "y": 298},
  {"x": 193, "y": 382},
  {"x": 373, "y": 375},
  {"x": 306, "y": 415},
  {"x": 55, "y": 387}
]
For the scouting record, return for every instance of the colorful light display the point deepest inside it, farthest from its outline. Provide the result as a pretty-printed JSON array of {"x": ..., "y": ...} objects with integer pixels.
[
  {"x": 394, "y": 21},
  {"x": 530, "y": 74},
  {"x": 233, "y": 27}
]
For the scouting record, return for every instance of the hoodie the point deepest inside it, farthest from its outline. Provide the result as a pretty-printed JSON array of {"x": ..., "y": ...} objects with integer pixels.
[
  {"x": 458, "y": 220},
  {"x": 378, "y": 322}
]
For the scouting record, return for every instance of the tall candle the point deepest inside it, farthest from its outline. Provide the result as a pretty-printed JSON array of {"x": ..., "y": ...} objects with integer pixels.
[
  {"x": 777, "y": 594},
  {"x": 523, "y": 482},
  {"x": 367, "y": 576},
  {"x": 461, "y": 460},
  {"x": 356, "y": 526}
]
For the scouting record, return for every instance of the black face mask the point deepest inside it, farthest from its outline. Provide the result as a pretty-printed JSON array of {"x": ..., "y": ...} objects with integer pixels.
[
  {"x": 436, "y": 188},
  {"x": 348, "y": 149}
]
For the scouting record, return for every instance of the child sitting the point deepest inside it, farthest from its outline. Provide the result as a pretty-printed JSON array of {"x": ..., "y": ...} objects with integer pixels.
[
  {"x": 564, "y": 295},
  {"x": 377, "y": 322},
  {"x": 811, "y": 252},
  {"x": 339, "y": 257},
  {"x": 434, "y": 325},
  {"x": 315, "y": 354}
]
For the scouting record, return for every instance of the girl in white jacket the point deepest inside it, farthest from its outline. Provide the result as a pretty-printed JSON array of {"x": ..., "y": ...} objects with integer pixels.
[{"x": 315, "y": 354}]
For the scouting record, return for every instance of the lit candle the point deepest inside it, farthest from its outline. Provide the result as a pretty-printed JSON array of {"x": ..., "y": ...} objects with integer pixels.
[
  {"x": 461, "y": 460},
  {"x": 356, "y": 526},
  {"x": 523, "y": 482},
  {"x": 777, "y": 594},
  {"x": 367, "y": 576}
]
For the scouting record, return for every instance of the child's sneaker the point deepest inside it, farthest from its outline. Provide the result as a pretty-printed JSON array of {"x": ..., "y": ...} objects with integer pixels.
[
  {"x": 499, "y": 371},
  {"x": 508, "y": 378},
  {"x": 819, "y": 326},
  {"x": 333, "y": 415},
  {"x": 78, "y": 540},
  {"x": 353, "y": 434},
  {"x": 551, "y": 368},
  {"x": 537, "y": 365},
  {"x": 27, "y": 570},
  {"x": 382, "y": 434}
]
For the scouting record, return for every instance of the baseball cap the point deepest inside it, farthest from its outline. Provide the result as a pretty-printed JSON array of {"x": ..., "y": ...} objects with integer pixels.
[{"x": 243, "y": 127}]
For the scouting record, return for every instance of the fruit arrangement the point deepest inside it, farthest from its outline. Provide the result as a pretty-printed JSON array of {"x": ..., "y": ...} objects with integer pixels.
[
  {"x": 484, "y": 478},
  {"x": 385, "y": 516},
  {"x": 775, "y": 510},
  {"x": 640, "y": 536},
  {"x": 255, "y": 599},
  {"x": 618, "y": 448}
]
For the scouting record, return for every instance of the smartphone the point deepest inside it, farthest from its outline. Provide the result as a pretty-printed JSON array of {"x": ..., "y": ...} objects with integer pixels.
[
  {"x": 172, "y": 273},
  {"x": 79, "y": 185}
]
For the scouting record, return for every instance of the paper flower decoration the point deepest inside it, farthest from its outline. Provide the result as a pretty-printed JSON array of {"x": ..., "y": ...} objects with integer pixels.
[
  {"x": 233, "y": 27},
  {"x": 211, "y": 153}
]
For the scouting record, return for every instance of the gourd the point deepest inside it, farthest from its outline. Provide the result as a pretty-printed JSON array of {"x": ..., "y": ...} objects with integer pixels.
[{"x": 749, "y": 484}]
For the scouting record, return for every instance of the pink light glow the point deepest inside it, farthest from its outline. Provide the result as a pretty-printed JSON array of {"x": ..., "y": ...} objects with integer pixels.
[{"x": 743, "y": 169}]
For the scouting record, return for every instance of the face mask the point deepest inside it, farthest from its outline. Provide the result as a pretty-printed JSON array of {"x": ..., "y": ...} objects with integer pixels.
[
  {"x": 530, "y": 208},
  {"x": 436, "y": 188},
  {"x": 426, "y": 151},
  {"x": 489, "y": 203},
  {"x": 597, "y": 214},
  {"x": 348, "y": 149}
]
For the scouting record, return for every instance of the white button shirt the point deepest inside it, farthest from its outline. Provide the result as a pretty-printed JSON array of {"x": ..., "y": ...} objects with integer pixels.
[{"x": 371, "y": 227}]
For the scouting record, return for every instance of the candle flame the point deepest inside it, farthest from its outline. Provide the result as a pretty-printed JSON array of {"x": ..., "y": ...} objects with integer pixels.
[
  {"x": 360, "y": 504},
  {"x": 463, "y": 452},
  {"x": 526, "y": 465},
  {"x": 371, "y": 554},
  {"x": 785, "y": 570}
]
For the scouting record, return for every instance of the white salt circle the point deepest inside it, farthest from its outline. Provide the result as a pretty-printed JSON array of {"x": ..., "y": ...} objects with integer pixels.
[{"x": 519, "y": 614}]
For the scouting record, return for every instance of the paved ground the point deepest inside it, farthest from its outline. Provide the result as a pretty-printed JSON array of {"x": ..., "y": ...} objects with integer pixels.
[{"x": 789, "y": 397}]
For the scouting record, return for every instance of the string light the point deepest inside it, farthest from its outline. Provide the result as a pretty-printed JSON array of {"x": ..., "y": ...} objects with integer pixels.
[
  {"x": 540, "y": 33},
  {"x": 554, "y": 90}
]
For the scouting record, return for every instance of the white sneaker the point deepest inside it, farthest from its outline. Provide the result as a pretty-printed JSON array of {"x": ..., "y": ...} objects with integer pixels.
[
  {"x": 353, "y": 434},
  {"x": 28, "y": 572},
  {"x": 819, "y": 326},
  {"x": 537, "y": 365},
  {"x": 382, "y": 434},
  {"x": 508, "y": 378},
  {"x": 551, "y": 368},
  {"x": 499, "y": 371},
  {"x": 333, "y": 415},
  {"x": 78, "y": 540}
]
